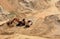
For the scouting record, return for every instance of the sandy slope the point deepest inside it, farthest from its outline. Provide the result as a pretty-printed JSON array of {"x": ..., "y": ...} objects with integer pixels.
[
  {"x": 17, "y": 36},
  {"x": 51, "y": 10}
]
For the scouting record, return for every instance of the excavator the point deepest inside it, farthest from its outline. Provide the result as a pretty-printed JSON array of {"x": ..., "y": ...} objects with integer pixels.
[{"x": 5, "y": 19}]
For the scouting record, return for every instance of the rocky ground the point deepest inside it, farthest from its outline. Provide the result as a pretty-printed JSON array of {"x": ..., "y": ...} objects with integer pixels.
[{"x": 45, "y": 15}]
